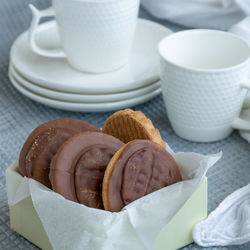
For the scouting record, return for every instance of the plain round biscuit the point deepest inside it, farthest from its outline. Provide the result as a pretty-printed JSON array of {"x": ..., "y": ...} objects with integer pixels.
[{"x": 128, "y": 125}]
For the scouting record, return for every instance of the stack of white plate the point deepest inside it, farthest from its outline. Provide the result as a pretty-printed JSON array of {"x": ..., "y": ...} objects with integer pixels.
[{"x": 54, "y": 83}]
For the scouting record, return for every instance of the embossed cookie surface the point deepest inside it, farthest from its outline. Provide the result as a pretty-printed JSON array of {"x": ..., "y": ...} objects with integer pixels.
[
  {"x": 43, "y": 143},
  {"x": 137, "y": 169},
  {"x": 128, "y": 125},
  {"x": 77, "y": 169}
]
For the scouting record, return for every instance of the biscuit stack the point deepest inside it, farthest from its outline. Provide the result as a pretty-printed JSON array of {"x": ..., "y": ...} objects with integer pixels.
[{"x": 105, "y": 169}]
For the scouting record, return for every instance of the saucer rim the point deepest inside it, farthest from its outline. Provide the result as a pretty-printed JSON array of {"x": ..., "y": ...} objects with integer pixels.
[
  {"x": 83, "y": 97},
  {"x": 83, "y": 107}
]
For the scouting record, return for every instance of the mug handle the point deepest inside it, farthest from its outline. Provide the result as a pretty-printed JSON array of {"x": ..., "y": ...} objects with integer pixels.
[
  {"x": 240, "y": 123},
  {"x": 36, "y": 16}
]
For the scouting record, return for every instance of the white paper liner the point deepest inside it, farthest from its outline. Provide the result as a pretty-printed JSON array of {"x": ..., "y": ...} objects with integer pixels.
[{"x": 74, "y": 226}]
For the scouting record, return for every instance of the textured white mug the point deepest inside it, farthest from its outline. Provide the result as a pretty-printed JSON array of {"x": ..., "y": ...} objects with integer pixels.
[
  {"x": 204, "y": 79},
  {"x": 96, "y": 35}
]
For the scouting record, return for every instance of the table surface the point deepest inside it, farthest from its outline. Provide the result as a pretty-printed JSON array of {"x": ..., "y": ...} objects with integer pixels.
[{"x": 19, "y": 116}]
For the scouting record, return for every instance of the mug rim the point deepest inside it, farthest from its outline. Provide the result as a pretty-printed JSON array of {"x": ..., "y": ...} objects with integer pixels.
[{"x": 195, "y": 69}]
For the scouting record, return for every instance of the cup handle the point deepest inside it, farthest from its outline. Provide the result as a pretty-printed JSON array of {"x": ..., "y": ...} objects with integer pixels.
[
  {"x": 36, "y": 16},
  {"x": 240, "y": 123}
]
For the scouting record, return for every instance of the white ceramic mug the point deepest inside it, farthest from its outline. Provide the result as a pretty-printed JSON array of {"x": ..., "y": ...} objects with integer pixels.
[
  {"x": 96, "y": 35},
  {"x": 204, "y": 79}
]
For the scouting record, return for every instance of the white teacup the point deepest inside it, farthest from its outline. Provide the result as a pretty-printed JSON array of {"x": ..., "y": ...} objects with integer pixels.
[
  {"x": 204, "y": 79},
  {"x": 96, "y": 35}
]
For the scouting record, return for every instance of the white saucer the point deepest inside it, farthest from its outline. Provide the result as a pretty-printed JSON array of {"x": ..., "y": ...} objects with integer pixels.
[
  {"x": 83, "y": 107},
  {"x": 142, "y": 68},
  {"x": 72, "y": 97}
]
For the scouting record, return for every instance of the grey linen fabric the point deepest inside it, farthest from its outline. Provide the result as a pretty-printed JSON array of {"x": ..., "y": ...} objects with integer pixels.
[{"x": 19, "y": 116}]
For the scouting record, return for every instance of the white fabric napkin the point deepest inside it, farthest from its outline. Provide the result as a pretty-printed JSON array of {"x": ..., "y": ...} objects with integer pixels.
[
  {"x": 216, "y": 14},
  {"x": 242, "y": 29},
  {"x": 229, "y": 224}
]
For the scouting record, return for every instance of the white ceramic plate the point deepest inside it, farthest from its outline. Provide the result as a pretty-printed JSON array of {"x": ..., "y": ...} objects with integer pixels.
[
  {"x": 83, "y": 107},
  {"x": 142, "y": 68},
  {"x": 72, "y": 97}
]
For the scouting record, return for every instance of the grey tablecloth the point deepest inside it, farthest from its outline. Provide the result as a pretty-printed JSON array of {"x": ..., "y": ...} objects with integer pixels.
[{"x": 19, "y": 115}]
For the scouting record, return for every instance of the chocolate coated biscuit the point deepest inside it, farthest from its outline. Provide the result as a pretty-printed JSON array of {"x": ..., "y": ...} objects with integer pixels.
[
  {"x": 43, "y": 143},
  {"x": 77, "y": 169},
  {"x": 137, "y": 169}
]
